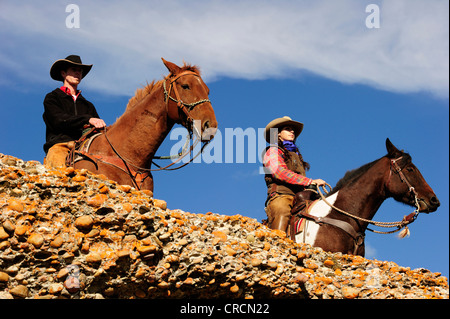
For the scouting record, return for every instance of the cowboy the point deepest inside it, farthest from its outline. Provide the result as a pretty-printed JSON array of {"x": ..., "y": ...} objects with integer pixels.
[
  {"x": 66, "y": 112},
  {"x": 285, "y": 170}
]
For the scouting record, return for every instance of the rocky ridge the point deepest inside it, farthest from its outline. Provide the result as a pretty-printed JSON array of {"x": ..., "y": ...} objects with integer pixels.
[{"x": 71, "y": 234}]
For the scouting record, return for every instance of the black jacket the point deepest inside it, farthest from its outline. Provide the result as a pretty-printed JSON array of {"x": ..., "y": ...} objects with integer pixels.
[{"x": 65, "y": 117}]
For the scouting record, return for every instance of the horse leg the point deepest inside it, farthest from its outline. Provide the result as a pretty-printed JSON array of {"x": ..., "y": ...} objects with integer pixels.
[
  {"x": 148, "y": 183},
  {"x": 90, "y": 166},
  {"x": 334, "y": 240},
  {"x": 141, "y": 182},
  {"x": 111, "y": 173},
  {"x": 361, "y": 250}
]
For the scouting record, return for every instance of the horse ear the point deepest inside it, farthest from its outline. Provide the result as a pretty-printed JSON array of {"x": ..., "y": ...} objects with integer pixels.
[
  {"x": 172, "y": 67},
  {"x": 393, "y": 152}
]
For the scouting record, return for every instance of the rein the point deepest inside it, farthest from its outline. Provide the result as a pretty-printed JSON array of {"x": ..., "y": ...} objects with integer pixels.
[
  {"x": 143, "y": 169},
  {"x": 408, "y": 219},
  {"x": 400, "y": 225},
  {"x": 139, "y": 174},
  {"x": 358, "y": 237}
]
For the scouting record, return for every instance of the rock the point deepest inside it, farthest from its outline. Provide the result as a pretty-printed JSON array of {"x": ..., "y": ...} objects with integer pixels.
[
  {"x": 19, "y": 291},
  {"x": 71, "y": 234},
  {"x": 234, "y": 289},
  {"x": 256, "y": 262},
  {"x": 124, "y": 188},
  {"x": 93, "y": 257},
  {"x": 350, "y": 293},
  {"x": 57, "y": 242},
  {"x": 21, "y": 229},
  {"x": 79, "y": 178},
  {"x": 97, "y": 200},
  {"x": 4, "y": 277},
  {"x": 3, "y": 234},
  {"x": 220, "y": 235},
  {"x": 62, "y": 273},
  {"x": 55, "y": 288},
  {"x": 16, "y": 205},
  {"x": 160, "y": 203},
  {"x": 84, "y": 222},
  {"x": 146, "y": 249},
  {"x": 5, "y": 295},
  {"x": 36, "y": 240},
  {"x": 300, "y": 279},
  {"x": 72, "y": 284},
  {"x": 8, "y": 226},
  {"x": 230, "y": 251}
]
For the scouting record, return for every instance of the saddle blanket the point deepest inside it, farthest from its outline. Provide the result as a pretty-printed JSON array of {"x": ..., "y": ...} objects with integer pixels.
[{"x": 299, "y": 225}]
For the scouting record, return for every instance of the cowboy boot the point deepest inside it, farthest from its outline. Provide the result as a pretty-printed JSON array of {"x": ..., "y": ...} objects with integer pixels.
[
  {"x": 300, "y": 201},
  {"x": 56, "y": 156},
  {"x": 281, "y": 223}
]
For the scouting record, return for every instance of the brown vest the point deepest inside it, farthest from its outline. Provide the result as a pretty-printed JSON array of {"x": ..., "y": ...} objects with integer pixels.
[{"x": 275, "y": 186}]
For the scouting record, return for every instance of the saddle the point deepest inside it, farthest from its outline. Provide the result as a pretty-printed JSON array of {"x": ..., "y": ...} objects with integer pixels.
[
  {"x": 80, "y": 147},
  {"x": 303, "y": 199},
  {"x": 64, "y": 154},
  {"x": 80, "y": 151},
  {"x": 302, "y": 203}
]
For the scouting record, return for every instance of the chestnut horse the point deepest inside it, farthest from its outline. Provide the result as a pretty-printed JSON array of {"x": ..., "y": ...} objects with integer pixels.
[
  {"x": 125, "y": 150},
  {"x": 338, "y": 221}
]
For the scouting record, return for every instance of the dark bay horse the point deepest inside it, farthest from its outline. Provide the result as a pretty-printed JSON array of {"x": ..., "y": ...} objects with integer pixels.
[
  {"x": 124, "y": 151},
  {"x": 338, "y": 221}
]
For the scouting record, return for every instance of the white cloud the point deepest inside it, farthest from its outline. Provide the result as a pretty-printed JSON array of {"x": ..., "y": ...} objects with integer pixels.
[
  {"x": 371, "y": 251},
  {"x": 240, "y": 39}
]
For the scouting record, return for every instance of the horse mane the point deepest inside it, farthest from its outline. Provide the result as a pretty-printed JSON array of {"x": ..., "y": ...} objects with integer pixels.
[
  {"x": 141, "y": 93},
  {"x": 352, "y": 176}
]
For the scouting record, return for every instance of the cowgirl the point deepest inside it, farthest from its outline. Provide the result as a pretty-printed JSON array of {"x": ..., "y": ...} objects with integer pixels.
[{"x": 285, "y": 170}]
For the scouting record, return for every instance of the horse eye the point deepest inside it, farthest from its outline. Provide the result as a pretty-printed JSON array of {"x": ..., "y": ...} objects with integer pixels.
[
  {"x": 410, "y": 169},
  {"x": 185, "y": 86}
]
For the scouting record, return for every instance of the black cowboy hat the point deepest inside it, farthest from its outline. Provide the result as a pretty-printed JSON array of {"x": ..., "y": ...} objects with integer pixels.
[{"x": 63, "y": 64}]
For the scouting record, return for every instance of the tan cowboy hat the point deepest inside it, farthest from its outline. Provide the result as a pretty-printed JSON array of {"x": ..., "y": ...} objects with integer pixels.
[
  {"x": 282, "y": 122},
  {"x": 71, "y": 60}
]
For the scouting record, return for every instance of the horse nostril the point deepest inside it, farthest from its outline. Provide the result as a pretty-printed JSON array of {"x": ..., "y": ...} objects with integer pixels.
[
  {"x": 206, "y": 125},
  {"x": 434, "y": 201},
  {"x": 208, "y": 131}
]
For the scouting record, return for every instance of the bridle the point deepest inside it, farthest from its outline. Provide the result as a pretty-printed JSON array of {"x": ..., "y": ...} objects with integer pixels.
[
  {"x": 394, "y": 167},
  {"x": 358, "y": 237},
  {"x": 181, "y": 106},
  {"x": 189, "y": 124}
]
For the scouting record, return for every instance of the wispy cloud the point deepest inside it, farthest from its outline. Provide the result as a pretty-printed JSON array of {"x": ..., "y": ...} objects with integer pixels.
[
  {"x": 371, "y": 251},
  {"x": 239, "y": 39}
]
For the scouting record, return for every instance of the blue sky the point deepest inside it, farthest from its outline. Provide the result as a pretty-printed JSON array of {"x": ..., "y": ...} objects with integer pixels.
[{"x": 317, "y": 62}]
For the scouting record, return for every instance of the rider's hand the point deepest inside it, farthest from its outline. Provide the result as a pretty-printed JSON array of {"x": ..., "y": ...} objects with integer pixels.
[
  {"x": 318, "y": 182},
  {"x": 97, "y": 123}
]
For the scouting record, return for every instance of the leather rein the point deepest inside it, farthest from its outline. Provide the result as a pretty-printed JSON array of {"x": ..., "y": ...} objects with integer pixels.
[
  {"x": 139, "y": 174},
  {"x": 358, "y": 237}
]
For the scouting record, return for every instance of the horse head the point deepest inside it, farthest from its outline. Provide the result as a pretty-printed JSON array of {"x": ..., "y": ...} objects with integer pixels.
[
  {"x": 187, "y": 100},
  {"x": 406, "y": 184}
]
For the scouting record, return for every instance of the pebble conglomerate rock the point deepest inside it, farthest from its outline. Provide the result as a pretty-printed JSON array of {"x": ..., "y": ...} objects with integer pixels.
[{"x": 71, "y": 234}]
